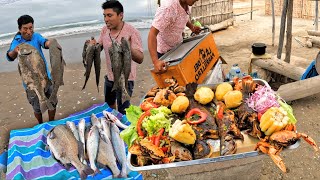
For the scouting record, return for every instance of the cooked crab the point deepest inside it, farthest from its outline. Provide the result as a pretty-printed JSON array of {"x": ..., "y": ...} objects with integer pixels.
[
  {"x": 273, "y": 145},
  {"x": 246, "y": 84},
  {"x": 153, "y": 91},
  {"x": 164, "y": 97},
  {"x": 153, "y": 150}
]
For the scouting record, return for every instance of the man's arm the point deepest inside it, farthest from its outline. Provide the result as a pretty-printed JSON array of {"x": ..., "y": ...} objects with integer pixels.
[
  {"x": 137, "y": 56},
  {"x": 47, "y": 44},
  {"x": 12, "y": 55},
  {"x": 152, "y": 46},
  {"x": 194, "y": 29}
]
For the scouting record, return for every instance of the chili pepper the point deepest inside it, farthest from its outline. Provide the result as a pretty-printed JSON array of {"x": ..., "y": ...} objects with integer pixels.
[
  {"x": 197, "y": 111},
  {"x": 139, "y": 123},
  {"x": 164, "y": 149},
  {"x": 147, "y": 105},
  {"x": 220, "y": 112},
  {"x": 259, "y": 116},
  {"x": 153, "y": 137},
  {"x": 157, "y": 139}
]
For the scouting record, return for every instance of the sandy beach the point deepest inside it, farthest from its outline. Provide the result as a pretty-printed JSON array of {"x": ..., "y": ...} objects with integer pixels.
[{"x": 234, "y": 45}]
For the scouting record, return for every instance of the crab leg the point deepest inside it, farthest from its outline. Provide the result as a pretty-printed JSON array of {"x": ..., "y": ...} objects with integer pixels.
[
  {"x": 309, "y": 140},
  {"x": 279, "y": 162}
]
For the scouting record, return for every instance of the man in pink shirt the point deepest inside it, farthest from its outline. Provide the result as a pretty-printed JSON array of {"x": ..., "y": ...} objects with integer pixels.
[
  {"x": 167, "y": 28},
  {"x": 115, "y": 29}
]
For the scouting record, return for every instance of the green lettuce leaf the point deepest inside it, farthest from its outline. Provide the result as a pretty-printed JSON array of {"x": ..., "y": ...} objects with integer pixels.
[{"x": 133, "y": 113}]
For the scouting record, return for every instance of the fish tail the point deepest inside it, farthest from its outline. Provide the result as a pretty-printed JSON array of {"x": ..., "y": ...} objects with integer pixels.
[
  {"x": 85, "y": 172},
  {"x": 123, "y": 173}
]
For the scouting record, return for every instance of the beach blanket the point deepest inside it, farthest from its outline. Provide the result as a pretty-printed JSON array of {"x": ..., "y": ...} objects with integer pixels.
[{"x": 28, "y": 158}]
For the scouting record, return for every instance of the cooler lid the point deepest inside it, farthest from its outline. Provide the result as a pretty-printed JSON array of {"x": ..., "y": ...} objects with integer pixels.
[{"x": 176, "y": 54}]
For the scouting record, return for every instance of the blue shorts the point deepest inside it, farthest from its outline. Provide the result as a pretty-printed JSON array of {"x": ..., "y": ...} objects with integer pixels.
[
  {"x": 34, "y": 100},
  {"x": 111, "y": 97}
]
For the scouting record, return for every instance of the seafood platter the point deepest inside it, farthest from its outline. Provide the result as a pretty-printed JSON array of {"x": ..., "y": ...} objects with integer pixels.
[{"x": 197, "y": 124}]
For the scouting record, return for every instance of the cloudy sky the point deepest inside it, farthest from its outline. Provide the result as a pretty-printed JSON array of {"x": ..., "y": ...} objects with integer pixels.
[{"x": 52, "y": 12}]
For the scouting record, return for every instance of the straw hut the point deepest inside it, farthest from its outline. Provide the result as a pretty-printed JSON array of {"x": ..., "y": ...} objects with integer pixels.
[
  {"x": 209, "y": 12},
  {"x": 301, "y": 8}
]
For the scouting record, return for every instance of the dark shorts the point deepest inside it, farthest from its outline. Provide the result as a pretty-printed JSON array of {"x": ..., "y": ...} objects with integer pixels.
[
  {"x": 34, "y": 100},
  {"x": 160, "y": 54},
  {"x": 111, "y": 97}
]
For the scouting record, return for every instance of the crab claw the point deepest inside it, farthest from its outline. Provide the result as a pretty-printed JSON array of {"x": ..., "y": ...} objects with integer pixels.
[
  {"x": 279, "y": 162},
  {"x": 309, "y": 140}
]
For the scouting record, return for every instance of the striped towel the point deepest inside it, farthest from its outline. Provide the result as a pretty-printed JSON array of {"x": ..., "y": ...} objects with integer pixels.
[{"x": 28, "y": 159}]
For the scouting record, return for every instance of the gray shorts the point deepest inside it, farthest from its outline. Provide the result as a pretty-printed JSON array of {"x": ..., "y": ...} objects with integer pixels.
[{"x": 34, "y": 100}]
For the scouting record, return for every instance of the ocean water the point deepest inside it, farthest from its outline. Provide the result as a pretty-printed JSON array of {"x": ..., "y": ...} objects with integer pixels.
[{"x": 69, "y": 21}]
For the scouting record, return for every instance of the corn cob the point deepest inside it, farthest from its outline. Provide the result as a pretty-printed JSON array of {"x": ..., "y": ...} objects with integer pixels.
[{"x": 273, "y": 120}]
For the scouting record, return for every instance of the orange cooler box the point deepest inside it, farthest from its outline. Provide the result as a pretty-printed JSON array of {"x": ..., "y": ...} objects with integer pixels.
[{"x": 190, "y": 61}]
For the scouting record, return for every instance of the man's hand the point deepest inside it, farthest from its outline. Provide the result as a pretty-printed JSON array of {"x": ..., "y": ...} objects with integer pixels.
[
  {"x": 160, "y": 66},
  {"x": 92, "y": 41},
  {"x": 196, "y": 29},
  {"x": 16, "y": 50}
]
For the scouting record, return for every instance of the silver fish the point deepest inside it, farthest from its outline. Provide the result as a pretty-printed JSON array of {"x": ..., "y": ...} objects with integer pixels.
[
  {"x": 95, "y": 121},
  {"x": 114, "y": 119},
  {"x": 57, "y": 68},
  {"x": 119, "y": 149},
  {"x": 105, "y": 129},
  {"x": 82, "y": 129},
  {"x": 106, "y": 156},
  {"x": 63, "y": 145},
  {"x": 73, "y": 128},
  {"x": 92, "y": 147},
  {"x": 32, "y": 69}
]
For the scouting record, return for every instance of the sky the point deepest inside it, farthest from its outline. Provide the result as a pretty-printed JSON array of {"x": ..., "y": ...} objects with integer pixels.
[{"x": 52, "y": 12}]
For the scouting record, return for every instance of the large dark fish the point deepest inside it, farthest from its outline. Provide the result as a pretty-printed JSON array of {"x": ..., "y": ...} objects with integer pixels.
[
  {"x": 57, "y": 68},
  {"x": 115, "y": 52},
  {"x": 89, "y": 61},
  {"x": 121, "y": 68},
  {"x": 84, "y": 54},
  {"x": 209, "y": 128},
  {"x": 126, "y": 60},
  {"x": 32, "y": 69},
  {"x": 97, "y": 63},
  {"x": 228, "y": 130},
  {"x": 63, "y": 145}
]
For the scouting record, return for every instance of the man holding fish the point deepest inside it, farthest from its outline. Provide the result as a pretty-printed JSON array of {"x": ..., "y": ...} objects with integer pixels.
[
  {"x": 22, "y": 41},
  {"x": 122, "y": 45}
]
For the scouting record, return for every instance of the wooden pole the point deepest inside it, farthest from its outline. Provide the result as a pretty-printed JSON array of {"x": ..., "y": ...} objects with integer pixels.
[
  {"x": 313, "y": 33},
  {"x": 280, "y": 67},
  {"x": 273, "y": 22},
  {"x": 251, "y": 9},
  {"x": 282, "y": 28},
  {"x": 317, "y": 16},
  {"x": 300, "y": 89},
  {"x": 289, "y": 31}
]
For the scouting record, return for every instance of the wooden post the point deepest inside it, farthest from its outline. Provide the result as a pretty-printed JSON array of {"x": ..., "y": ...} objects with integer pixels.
[
  {"x": 251, "y": 9},
  {"x": 282, "y": 28},
  {"x": 280, "y": 67},
  {"x": 313, "y": 33},
  {"x": 317, "y": 16},
  {"x": 300, "y": 89},
  {"x": 273, "y": 22},
  {"x": 289, "y": 31}
]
